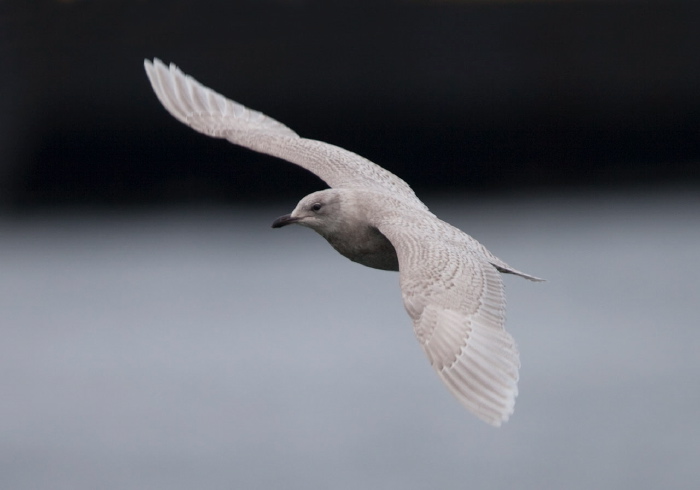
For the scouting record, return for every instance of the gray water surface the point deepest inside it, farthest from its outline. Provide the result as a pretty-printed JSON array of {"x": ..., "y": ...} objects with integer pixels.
[{"x": 201, "y": 349}]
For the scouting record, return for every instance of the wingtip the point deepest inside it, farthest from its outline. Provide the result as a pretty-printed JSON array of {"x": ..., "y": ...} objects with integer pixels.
[
  {"x": 157, "y": 63},
  {"x": 150, "y": 66},
  {"x": 148, "y": 63},
  {"x": 500, "y": 419},
  {"x": 496, "y": 424},
  {"x": 495, "y": 421}
]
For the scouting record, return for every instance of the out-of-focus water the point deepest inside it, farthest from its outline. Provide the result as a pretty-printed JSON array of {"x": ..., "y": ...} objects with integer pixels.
[{"x": 179, "y": 350}]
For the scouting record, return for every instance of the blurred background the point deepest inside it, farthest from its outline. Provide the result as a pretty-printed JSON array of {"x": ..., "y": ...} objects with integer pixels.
[
  {"x": 458, "y": 95},
  {"x": 157, "y": 334}
]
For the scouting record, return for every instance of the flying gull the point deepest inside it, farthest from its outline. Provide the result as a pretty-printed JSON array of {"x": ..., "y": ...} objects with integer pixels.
[{"x": 450, "y": 283}]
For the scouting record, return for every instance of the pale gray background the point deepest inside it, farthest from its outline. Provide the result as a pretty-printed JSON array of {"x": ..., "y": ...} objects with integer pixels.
[{"x": 199, "y": 348}]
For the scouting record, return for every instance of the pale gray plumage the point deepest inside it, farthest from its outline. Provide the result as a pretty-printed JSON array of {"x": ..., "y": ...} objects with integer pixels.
[{"x": 450, "y": 282}]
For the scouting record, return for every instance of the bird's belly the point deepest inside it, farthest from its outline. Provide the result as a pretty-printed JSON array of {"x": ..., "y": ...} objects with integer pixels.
[
  {"x": 383, "y": 261},
  {"x": 369, "y": 249}
]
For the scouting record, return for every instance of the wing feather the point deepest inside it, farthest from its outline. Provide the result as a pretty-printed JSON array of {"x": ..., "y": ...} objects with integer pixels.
[
  {"x": 456, "y": 300},
  {"x": 214, "y": 115}
]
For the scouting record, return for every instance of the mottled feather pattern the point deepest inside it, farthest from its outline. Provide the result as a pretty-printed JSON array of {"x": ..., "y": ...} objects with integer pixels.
[{"x": 457, "y": 304}]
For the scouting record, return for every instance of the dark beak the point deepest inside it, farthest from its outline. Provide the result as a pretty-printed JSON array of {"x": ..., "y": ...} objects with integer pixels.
[{"x": 284, "y": 221}]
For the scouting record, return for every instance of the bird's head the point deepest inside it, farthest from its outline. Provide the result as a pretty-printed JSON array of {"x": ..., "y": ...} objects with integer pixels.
[{"x": 320, "y": 211}]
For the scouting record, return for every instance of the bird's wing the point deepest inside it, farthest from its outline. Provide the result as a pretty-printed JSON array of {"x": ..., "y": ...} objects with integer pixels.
[
  {"x": 456, "y": 300},
  {"x": 213, "y": 114}
]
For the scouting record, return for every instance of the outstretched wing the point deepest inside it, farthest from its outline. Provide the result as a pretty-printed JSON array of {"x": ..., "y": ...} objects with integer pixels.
[
  {"x": 456, "y": 300},
  {"x": 213, "y": 114}
]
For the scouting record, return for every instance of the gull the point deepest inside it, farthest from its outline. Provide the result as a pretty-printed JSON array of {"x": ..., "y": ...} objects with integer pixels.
[{"x": 450, "y": 283}]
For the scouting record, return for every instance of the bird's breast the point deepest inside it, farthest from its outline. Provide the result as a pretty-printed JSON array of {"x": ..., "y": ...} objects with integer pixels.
[{"x": 367, "y": 247}]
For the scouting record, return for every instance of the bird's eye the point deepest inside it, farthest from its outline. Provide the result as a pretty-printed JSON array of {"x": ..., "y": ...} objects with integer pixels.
[{"x": 316, "y": 206}]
